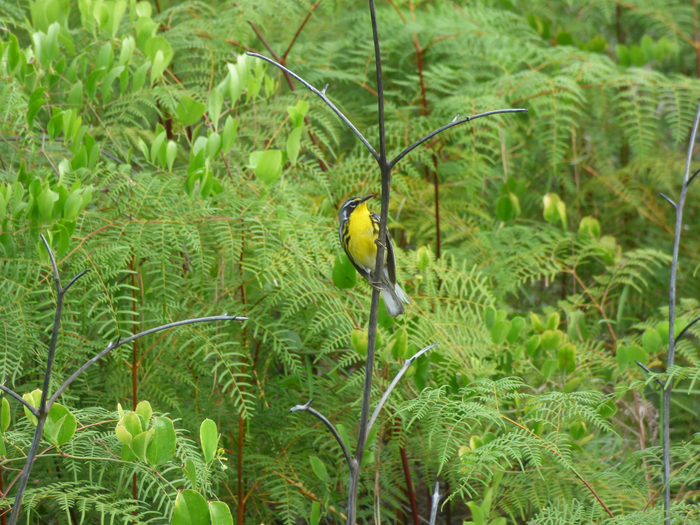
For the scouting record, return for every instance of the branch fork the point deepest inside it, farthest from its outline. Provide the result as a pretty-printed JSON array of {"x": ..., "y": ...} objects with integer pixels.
[{"x": 42, "y": 411}]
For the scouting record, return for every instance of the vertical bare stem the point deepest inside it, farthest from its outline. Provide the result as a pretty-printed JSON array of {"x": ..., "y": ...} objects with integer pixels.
[
  {"x": 409, "y": 486},
  {"x": 43, "y": 412},
  {"x": 385, "y": 171},
  {"x": 671, "y": 321}
]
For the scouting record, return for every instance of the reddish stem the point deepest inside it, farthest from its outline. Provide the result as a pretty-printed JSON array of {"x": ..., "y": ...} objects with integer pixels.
[
  {"x": 2, "y": 495},
  {"x": 409, "y": 485}
]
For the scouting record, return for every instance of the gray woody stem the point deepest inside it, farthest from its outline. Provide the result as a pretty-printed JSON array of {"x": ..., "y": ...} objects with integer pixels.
[
  {"x": 307, "y": 408},
  {"x": 385, "y": 171},
  {"x": 45, "y": 406},
  {"x": 671, "y": 321},
  {"x": 386, "y": 395},
  {"x": 435, "y": 501}
]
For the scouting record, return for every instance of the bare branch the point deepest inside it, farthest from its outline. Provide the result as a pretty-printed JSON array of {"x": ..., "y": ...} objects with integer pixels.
[
  {"x": 692, "y": 177},
  {"x": 686, "y": 329},
  {"x": 74, "y": 279},
  {"x": 668, "y": 199},
  {"x": 56, "y": 278},
  {"x": 322, "y": 95},
  {"x": 386, "y": 395},
  {"x": 128, "y": 340},
  {"x": 435, "y": 501},
  {"x": 452, "y": 124},
  {"x": 661, "y": 384},
  {"x": 307, "y": 408},
  {"x": 19, "y": 398}
]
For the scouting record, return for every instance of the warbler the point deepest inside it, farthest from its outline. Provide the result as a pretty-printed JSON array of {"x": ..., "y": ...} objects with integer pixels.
[{"x": 358, "y": 230}]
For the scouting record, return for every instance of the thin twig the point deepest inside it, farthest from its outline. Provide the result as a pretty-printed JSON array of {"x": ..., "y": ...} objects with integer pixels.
[
  {"x": 686, "y": 329},
  {"x": 455, "y": 122},
  {"x": 299, "y": 30},
  {"x": 33, "y": 410},
  {"x": 661, "y": 384},
  {"x": 322, "y": 95},
  {"x": 128, "y": 340},
  {"x": 386, "y": 395},
  {"x": 307, "y": 408}
]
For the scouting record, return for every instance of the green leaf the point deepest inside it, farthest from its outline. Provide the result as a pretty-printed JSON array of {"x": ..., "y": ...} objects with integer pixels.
[
  {"x": 73, "y": 205},
  {"x": 517, "y": 324},
  {"x": 155, "y": 44},
  {"x": 622, "y": 358},
  {"x": 651, "y": 341},
  {"x": 623, "y": 55},
  {"x": 170, "y": 154},
  {"x": 190, "y": 509},
  {"x": 636, "y": 56},
  {"x": 157, "y": 67},
  {"x": 189, "y": 111},
  {"x": 162, "y": 446},
  {"x": 4, "y": 415},
  {"x": 315, "y": 517},
  {"x": 213, "y": 145},
  {"x": 359, "y": 339},
  {"x": 532, "y": 345},
  {"x": 157, "y": 146},
  {"x": 608, "y": 409},
  {"x": 132, "y": 422},
  {"x": 477, "y": 514},
  {"x": 269, "y": 166},
  {"x": 209, "y": 435},
  {"x": 500, "y": 331},
  {"x": 190, "y": 471},
  {"x": 63, "y": 425},
  {"x": 123, "y": 435},
  {"x": 551, "y": 339},
  {"x": 220, "y": 513},
  {"x": 140, "y": 443},
  {"x": 423, "y": 259},
  {"x": 505, "y": 210},
  {"x": 108, "y": 81},
  {"x": 549, "y": 367},
  {"x": 577, "y": 430},
  {"x": 229, "y": 134},
  {"x": 553, "y": 321},
  {"x": 536, "y": 322},
  {"x": 128, "y": 46},
  {"x": 400, "y": 348},
  {"x": 46, "y": 201},
  {"x": 565, "y": 39},
  {"x": 34, "y": 399},
  {"x": 293, "y": 145},
  {"x": 140, "y": 77},
  {"x": 489, "y": 317},
  {"x": 567, "y": 358},
  {"x": 216, "y": 101},
  {"x": 319, "y": 469},
  {"x": 634, "y": 353},
  {"x": 589, "y": 226},
  {"x": 344, "y": 273}
]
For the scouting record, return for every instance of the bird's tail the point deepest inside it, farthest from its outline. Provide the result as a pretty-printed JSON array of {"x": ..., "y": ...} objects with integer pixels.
[{"x": 394, "y": 296}]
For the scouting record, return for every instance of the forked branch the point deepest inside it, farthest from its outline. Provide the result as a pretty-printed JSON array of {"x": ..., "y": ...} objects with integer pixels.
[
  {"x": 42, "y": 411},
  {"x": 307, "y": 408}
]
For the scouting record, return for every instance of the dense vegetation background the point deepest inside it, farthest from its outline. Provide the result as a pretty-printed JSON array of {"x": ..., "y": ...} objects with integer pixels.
[{"x": 192, "y": 181}]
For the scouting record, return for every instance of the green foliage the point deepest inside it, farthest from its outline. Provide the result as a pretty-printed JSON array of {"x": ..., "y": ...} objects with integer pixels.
[{"x": 192, "y": 181}]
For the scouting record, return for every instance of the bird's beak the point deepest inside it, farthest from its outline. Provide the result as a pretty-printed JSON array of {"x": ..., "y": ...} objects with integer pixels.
[{"x": 367, "y": 197}]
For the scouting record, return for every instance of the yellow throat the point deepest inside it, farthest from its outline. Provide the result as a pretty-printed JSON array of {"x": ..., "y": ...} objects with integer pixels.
[{"x": 363, "y": 233}]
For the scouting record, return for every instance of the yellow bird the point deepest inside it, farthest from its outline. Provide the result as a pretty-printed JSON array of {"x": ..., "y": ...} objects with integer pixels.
[{"x": 359, "y": 229}]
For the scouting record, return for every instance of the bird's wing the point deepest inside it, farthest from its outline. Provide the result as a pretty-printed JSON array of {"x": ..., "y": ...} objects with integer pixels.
[
  {"x": 363, "y": 273},
  {"x": 390, "y": 258}
]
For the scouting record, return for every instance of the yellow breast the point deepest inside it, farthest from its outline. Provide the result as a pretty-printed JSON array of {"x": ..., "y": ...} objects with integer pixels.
[{"x": 362, "y": 247}]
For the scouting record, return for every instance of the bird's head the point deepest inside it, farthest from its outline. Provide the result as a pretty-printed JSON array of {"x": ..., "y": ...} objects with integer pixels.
[{"x": 351, "y": 205}]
